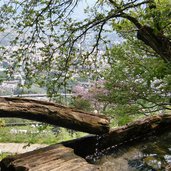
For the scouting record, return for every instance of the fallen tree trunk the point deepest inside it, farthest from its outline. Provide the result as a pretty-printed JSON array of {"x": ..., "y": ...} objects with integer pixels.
[
  {"x": 89, "y": 146},
  {"x": 54, "y": 114}
]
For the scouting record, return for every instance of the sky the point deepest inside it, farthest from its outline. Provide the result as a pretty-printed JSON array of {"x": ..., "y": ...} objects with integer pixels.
[{"x": 79, "y": 11}]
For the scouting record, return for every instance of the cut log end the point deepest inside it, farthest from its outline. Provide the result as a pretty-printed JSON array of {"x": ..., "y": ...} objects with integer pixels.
[{"x": 53, "y": 158}]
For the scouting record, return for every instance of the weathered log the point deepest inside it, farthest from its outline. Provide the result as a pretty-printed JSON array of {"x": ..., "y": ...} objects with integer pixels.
[
  {"x": 88, "y": 146},
  {"x": 54, "y": 114},
  {"x": 120, "y": 136},
  {"x": 52, "y": 158}
]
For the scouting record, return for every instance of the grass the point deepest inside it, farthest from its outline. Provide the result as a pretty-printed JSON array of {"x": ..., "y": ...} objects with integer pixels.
[
  {"x": 45, "y": 135},
  {"x": 36, "y": 135},
  {"x": 3, "y": 155},
  {"x": 42, "y": 135}
]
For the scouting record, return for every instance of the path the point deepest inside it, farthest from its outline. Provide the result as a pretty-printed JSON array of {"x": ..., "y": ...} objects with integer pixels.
[{"x": 19, "y": 147}]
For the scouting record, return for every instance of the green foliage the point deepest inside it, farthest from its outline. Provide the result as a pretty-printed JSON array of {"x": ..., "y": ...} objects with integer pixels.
[
  {"x": 52, "y": 45},
  {"x": 123, "y": 120},
  {"x": 36, "y": 136},
  {"x": 3, "y": 155},
  {"x": 15, "y": 120},
  {"x": 140, "y": 83},
  {"x": 3, "y": 76},
  {"x": 121, "y": 116},
  {"x": 2, "y": 122},
  {"x": 33, "y": 89},
  {"x": 81, "y": 104}
]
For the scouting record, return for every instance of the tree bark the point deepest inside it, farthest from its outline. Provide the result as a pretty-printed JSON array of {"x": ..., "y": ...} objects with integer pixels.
[
  {"x": 54, "y": 114},
  {"x": 158, "y": 42}
]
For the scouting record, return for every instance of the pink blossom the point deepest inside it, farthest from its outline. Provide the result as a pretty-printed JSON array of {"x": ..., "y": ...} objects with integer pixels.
[{"x": 93, "y": 93}]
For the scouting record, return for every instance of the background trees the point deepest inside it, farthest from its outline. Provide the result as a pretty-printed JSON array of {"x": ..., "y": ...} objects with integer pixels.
[{"x": 136, "y": 82}]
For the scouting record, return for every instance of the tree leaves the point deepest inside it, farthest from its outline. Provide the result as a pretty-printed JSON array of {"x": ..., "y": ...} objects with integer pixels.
[
  {"x": 52, "y": 46},
  {"x": 137, "y": 80}
]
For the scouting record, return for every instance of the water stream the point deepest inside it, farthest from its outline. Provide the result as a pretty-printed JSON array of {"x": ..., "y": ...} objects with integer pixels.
[{"x": 153, "y": 154}]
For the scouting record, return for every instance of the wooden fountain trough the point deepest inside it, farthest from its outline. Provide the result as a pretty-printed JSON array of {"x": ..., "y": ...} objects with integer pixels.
[{"x": 72, "y": 155}]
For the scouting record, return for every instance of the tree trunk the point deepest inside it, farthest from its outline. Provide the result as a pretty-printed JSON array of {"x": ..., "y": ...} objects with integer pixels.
[
  {"x": 158, "y": 42},
  {"x": 54, "y": 114},
  {"x": 87, "y": 147}
]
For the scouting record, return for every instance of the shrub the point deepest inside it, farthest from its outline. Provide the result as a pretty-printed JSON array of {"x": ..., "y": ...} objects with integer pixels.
[
  {"x": 81, "y": 104},
  {"x": 2, "y": 122}
]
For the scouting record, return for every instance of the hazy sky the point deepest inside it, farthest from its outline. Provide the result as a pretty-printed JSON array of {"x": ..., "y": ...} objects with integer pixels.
[
  {"x": 79, "y": 11},
  {"x": 79, "y": 14}
]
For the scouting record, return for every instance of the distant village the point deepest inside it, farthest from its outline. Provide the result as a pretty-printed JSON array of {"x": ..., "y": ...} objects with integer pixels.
[{"x": 14, "y": 86}]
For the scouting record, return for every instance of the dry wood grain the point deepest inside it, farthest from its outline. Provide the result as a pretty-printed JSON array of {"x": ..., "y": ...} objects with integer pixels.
[{"x": 54, "y": 114}]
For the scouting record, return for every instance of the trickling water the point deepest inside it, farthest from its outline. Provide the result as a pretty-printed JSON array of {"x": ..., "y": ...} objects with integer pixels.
[
  {"x": 97, "y": 153},
  {"x": 153, "y": 154}
]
